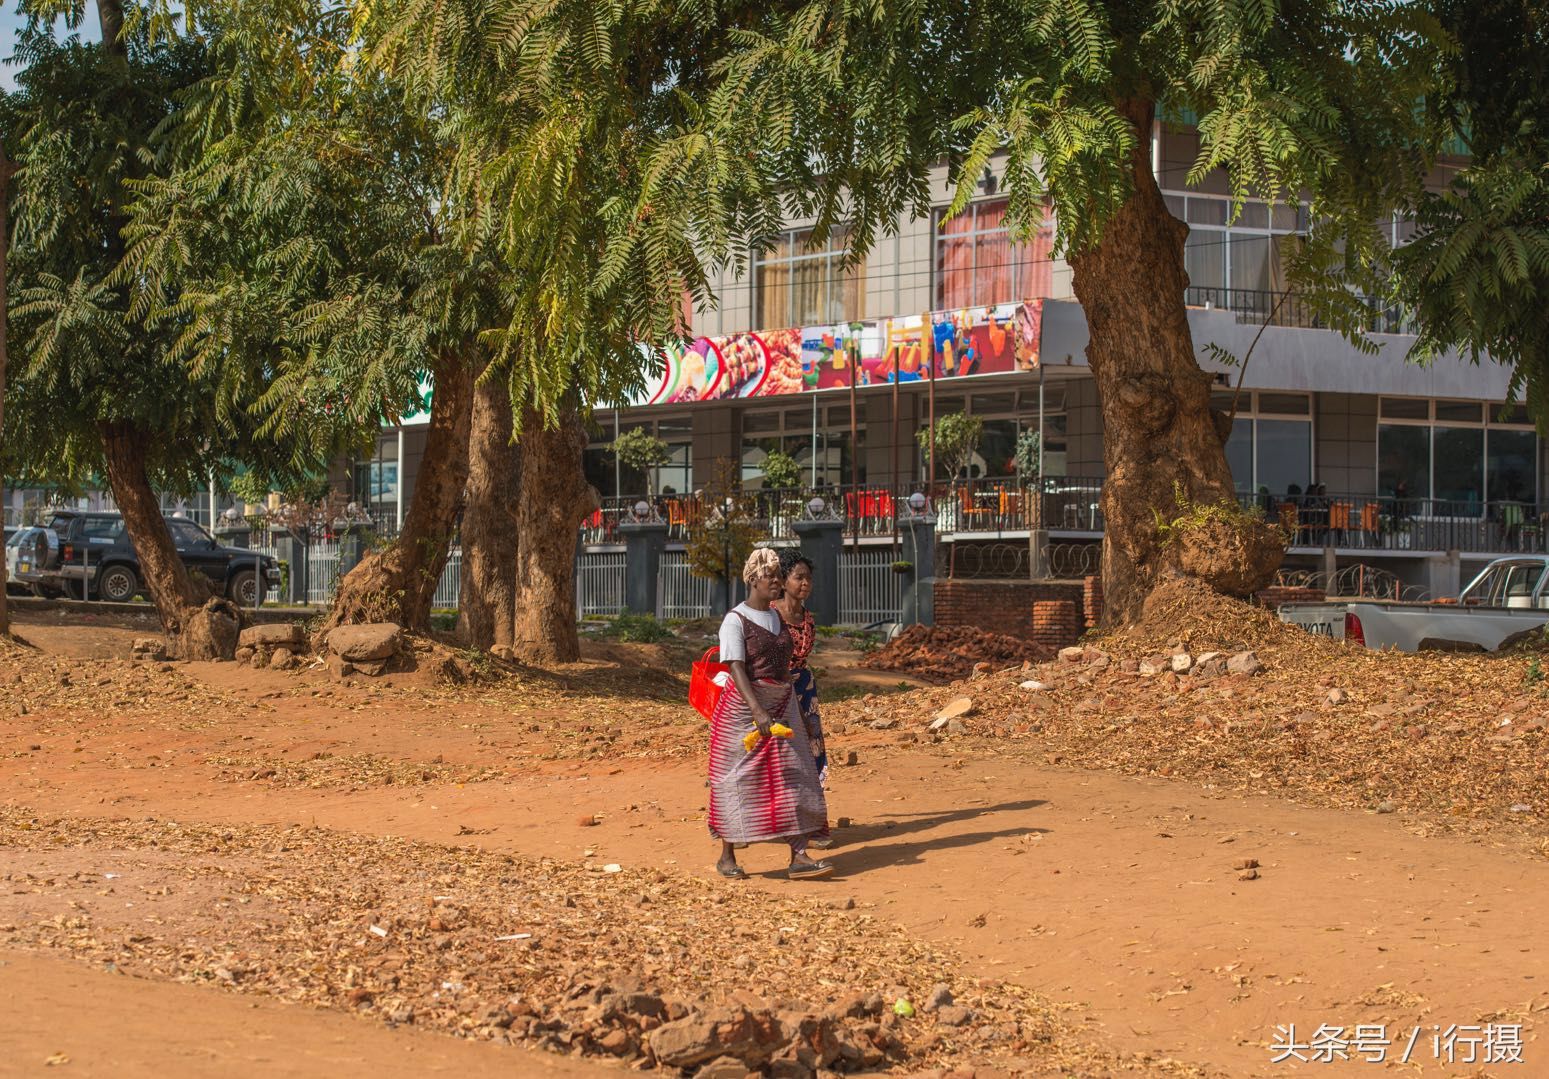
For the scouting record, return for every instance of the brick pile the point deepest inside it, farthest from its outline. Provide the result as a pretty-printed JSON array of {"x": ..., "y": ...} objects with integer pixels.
[{"x": 946, "y": 653}]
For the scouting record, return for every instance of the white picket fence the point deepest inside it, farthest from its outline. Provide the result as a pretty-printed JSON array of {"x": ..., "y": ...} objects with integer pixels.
[
  {"x": 869, "y": 590},
  {"x": 599, "y": 583},
  {"x": 680, "y": 594}
]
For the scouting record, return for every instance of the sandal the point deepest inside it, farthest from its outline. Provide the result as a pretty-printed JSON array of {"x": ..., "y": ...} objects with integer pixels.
[
  {"x": 734, "y": 872},
  {"x": 810, "y": 871}
]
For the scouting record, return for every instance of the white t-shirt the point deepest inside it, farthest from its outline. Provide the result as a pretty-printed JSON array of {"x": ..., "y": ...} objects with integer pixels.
[{"x": 733, "y": 646}]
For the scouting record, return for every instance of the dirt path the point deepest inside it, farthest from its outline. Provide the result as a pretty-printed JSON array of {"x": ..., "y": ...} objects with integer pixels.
[
  {"x": 66, "y": 1019},
  {"x": 1119, "y": 894}
]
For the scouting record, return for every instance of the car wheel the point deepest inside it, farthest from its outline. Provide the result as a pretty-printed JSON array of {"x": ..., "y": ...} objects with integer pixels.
[
  {"x": 243, "y": 588},
  {"x": 118, "y": 584}
]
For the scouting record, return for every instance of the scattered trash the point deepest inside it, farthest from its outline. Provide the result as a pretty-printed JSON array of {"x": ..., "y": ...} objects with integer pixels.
[
  {"x": 379, "y": 931},
  {"x": 513, "y": 936},
  {"x": 613, "y": 867}
]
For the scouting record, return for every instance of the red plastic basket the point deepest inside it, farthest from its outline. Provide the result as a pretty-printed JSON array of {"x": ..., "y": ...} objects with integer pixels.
[{"x": 703, "y": 692}]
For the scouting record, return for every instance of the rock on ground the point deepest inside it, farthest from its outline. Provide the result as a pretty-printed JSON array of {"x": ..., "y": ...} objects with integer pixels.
[
  {"x": 370, "y": 642},
  {"x": 273, "y": 635}
]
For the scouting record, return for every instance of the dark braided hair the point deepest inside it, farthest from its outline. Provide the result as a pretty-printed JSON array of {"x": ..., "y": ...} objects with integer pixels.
[{"x": 790, "y": 558}]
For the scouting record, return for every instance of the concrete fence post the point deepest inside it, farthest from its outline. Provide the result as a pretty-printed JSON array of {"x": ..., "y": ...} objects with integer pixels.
[
  {"x": 918, "y": 532},
  {"x": 644, "y": 544},
  {"x": 821, "y": 542}
]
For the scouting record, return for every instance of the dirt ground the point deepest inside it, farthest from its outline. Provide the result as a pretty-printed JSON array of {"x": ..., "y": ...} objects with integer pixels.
[{"x": 154, "y": 823}]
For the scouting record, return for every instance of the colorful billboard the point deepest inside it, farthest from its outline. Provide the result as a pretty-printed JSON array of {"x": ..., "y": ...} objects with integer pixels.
[{"x": 769, "y": 363}]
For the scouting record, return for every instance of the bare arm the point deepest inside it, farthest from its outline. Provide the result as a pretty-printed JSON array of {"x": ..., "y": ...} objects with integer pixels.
[{"x": 744, "y": 684}]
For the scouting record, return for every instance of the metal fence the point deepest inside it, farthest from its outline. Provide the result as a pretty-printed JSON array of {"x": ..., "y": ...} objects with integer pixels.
[
  {"x": 869, "y": 588},
  {"x": 599, "y": 583},
  {"x": 322, "y": 571},
  {"x": 680, "y": 594}
]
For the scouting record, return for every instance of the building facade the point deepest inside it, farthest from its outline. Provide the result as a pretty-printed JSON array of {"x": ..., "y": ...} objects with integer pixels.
[{"x": 1372, "y": 461}]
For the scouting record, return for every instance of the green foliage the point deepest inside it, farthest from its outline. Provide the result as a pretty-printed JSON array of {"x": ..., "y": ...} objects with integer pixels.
[
  {"x": 780, "y": 470},
  {"x": 1192, "y": 516},
  {"x": 637, "y": 628},
  {"x": 902, "y": 566},
  {"x": 83, "y": 126},
  {"x": 720, "y": 543},
  {"x": 1534, "y": 673},
  {"x": 1476, "y": 274},
  {"x": 641, "y": 450},
  {"x": 957, "y": 440},
  {"x": 1028, "y": 455},
  {"x": 1315, "y": 98}
]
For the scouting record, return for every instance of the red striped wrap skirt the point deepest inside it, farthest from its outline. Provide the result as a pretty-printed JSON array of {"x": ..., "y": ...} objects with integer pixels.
[{"x": 772, "y": 792}]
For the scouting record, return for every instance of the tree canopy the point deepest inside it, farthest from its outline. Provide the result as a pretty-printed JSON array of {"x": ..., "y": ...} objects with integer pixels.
[{"x": 1476, "y": 273}]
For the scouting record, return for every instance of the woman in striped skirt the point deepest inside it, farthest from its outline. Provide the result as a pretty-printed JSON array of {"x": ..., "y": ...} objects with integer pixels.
[{"x": 769, "y": 791}]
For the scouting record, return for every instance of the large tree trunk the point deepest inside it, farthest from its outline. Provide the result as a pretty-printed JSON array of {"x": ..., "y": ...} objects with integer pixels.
[
  {"x": 554, "y": 499},
  {"x": 200, "y": 626},
  {"x": 110, "y": 17},
  {"x": 487, "y": 610},
  {"x": 1158, "y": 432},
  {"x": 398, "y": 582}
]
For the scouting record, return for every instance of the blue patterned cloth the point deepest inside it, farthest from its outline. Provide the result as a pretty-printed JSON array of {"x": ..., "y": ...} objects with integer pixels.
[{"x": 807, "y": 701}]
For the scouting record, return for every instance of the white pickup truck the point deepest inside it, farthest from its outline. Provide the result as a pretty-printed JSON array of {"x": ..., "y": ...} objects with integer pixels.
[{"x": 1509, "y": 595}]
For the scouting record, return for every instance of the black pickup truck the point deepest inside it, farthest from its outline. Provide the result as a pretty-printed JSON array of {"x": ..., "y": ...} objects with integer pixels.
[{"x": 91, "y": 550}]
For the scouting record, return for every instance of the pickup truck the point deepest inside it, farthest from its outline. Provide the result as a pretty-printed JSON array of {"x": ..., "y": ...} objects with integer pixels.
[
  {"x": 1508, "y": 596},
  {"x": 91, "y": 552}
]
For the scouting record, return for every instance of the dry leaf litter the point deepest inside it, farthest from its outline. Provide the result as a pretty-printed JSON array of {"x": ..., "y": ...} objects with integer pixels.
[
  {"x": 1449, "y": 741},
  {"x": 637, "y": 965}
]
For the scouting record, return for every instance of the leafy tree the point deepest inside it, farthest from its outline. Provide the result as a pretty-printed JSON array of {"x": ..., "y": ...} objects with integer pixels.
[
  {"x": 780, "y": 470},
  {"x": 957, "y": 438},
  {"x": 1308, "y": 99},
  {"x": 95, "y": 390},
  {"x": 1477, "y": 271},
  {"x": 726, "y": 533},
  {"x": 310, "y": 238},
  {"x": 571, "y": 124},
  {"x": 640, "y": 450}
]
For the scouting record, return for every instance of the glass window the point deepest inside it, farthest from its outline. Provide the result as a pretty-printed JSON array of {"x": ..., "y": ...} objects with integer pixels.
[
  {"x": 800, "y": 283},
  {"x": 1239, "y": 452},
  {"x": 1404, "y": 408},
  {"x": 1285, "y": 404},
  {"x": 996, "y": 404},
  {"x": 1509, "y": 413},
  {"x": 597, "y": 462},
  {"x": 754, "y": 451},
  {"x": 760, "y": 421},
  {"x": 1204, "y": 259},
  {"x": 1253, "y": 215},
  {"x": 1055, "y": 459},
  {"x": 1284, "y": 454},
  {"x": 102, "y": 528},
  {"x": 1250, "y": 262},
  {"x": 1459, "y": 469},
  {"x": 996, "y": 458},
  {"x": 186, "y": 534},
  {"x": 676, "y": 476},
  {"x": 1403, "y": 460},
  {"x": 978, "y": 263},
  {"x": 1459, "y": 411},
  {"x": 1207, "y": 211},
  {"x": 1512, "y": 465}
]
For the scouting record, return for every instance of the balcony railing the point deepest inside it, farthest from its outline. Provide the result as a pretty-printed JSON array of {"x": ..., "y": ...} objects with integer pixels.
[
  {"x": 1408, "y": 524},
  {"x": 1258, "y": 306},
  {"x": 1071, "y": 506}
]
